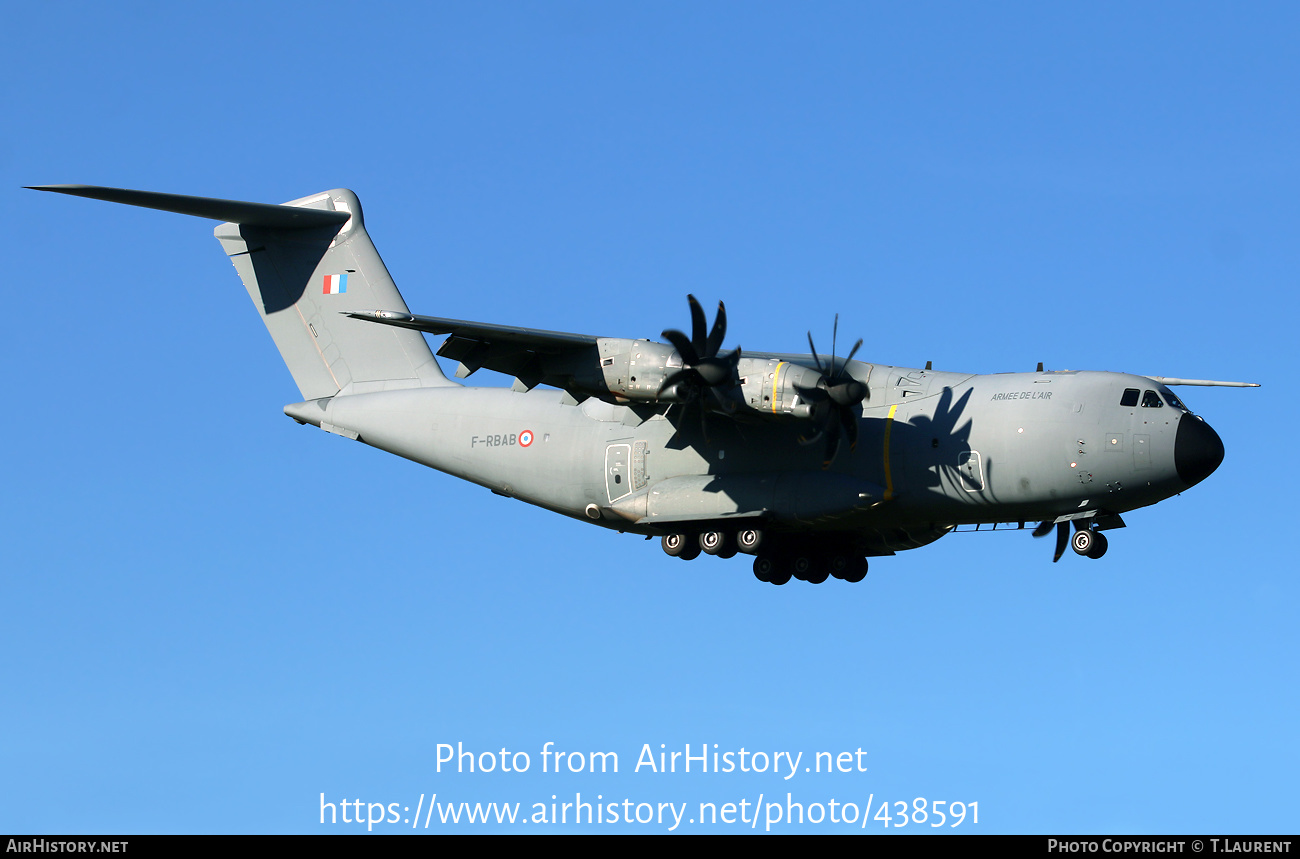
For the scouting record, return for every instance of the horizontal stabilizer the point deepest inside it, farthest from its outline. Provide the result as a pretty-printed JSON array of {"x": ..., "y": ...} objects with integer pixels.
[
  {"x": 305, "y": 263},
  {"x": 231, "y": 211}
]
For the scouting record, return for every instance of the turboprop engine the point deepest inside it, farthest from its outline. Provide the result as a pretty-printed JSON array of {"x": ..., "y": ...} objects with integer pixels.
[
  {"x": 644, "y": 371},
  {"x": 692, "y": 372}
]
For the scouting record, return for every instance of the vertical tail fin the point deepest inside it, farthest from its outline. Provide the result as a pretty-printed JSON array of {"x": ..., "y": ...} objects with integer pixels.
[
  {"x": 303, "y": 281},
  {"x": 305, "y": 264}
]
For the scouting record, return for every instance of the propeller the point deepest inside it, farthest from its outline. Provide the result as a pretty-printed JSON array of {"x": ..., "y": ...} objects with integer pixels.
[
  {"x": 834, "y": 399},
  {"x": 1062, "y": 536},
  {"x": 703, "y": 369}
]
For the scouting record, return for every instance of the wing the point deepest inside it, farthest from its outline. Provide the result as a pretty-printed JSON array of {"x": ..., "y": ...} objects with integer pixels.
[
  {"x": 530, "y": 355},
  {"x": 688, "y": 372}
]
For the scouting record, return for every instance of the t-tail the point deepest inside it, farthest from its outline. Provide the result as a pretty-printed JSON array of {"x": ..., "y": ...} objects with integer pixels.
[{"x": 306, "y": 264}]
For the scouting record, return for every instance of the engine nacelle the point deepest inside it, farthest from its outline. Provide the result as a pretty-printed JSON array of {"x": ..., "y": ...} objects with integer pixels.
[
  {"x": 768, "y": 386},
  {"x": 629, "y": 371},
  {"x": 635, "y": 370}
]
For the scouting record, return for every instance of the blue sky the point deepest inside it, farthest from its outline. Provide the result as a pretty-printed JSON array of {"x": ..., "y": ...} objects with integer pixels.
[{"x": 213, "y": 616}]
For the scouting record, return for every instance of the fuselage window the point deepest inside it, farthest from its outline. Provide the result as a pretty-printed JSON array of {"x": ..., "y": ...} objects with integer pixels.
[
  {"x": 1151, "y": 401},
  {"x": 1130, "y": 398}
]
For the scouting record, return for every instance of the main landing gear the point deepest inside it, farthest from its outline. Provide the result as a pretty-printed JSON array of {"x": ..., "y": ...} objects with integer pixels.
[
  {"x": 724, "y": 544},
  {"x": 813, "y": 563},
  {"x": 809, "y": 566}
]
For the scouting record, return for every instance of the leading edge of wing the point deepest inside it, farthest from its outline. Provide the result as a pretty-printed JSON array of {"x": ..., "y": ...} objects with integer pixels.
[
  {"x": 531, "y": 338},
  {"x": 231, "y": 211}
]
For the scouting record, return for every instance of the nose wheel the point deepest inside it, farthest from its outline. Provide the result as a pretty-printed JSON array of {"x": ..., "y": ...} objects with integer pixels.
[{"x": 1089, "y": 543}]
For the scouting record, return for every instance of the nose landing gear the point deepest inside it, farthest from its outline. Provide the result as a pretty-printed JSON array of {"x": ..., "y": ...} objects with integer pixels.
[
  {"x": 1087, "y": 540},
  {"x": 1089, "y": 543}
]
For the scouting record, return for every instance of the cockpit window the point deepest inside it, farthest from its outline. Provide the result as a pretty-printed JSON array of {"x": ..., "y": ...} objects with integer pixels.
[
  {"x": 1130, "y": 397},
  {"x": 1173, "y": 400},
  {"x": 1151, "y": 401}
]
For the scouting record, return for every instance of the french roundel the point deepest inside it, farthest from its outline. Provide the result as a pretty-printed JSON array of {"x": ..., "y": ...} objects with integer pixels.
[{"x": 525, "y": 438}]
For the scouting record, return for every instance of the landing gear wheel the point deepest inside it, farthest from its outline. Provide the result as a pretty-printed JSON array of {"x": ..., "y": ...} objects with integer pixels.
[
  {"x": 680, "y": 546},
  {"x": 857, "y": 572},
  {"x": 1083, "y": 541},
  {"x": 820, "y": 572},
  {"x": 1099, "y": 545},
  {"x": 749, "y": 540},
  {"x": 674, "y": 544},
  {"x": 770, "y": 569},
  {"x": 839, "y": 565},
  {"x": 801, "y": 566},
  {"x": 716, "y": 543}
]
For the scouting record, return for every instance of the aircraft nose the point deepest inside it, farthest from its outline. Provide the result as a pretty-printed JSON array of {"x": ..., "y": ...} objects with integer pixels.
[{"x": 1198, "y": 450}]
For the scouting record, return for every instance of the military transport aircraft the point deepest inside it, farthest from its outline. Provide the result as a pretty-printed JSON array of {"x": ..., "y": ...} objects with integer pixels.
[{"x": 810, "y": 463}]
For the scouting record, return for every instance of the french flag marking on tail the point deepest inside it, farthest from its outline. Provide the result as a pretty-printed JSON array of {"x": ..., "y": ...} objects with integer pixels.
[{"x": 335, "y": 284}]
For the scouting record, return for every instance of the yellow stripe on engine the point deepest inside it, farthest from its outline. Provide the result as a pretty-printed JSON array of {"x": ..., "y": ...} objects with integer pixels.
[
  {"x": 889, "y": 477},
  {"x": 776, "y": 380}
]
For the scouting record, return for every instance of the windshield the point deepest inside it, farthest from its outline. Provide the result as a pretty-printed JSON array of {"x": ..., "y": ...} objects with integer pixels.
[{"x": 1172, "y": 399}]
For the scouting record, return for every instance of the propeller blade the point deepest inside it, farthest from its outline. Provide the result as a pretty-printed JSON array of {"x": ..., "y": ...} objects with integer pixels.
[
  {"x": 832, "y": 445},
  {"x": 683, "y": 346},
  {"x": 852, "y": 352},
  {"x": 1043, "y": 529},
  {"x": 850, "y": 424},
  {"x": 698, "y": 327},
  {"x": 804, "y": 441},
  {"x": 1062, "y": 540},
  {"x": 673, "y": 379},
  {"x": 712, "y": 372},
  {"x": 816, "y": 360},
  {"x": 719, "y": 331},
  {"x": 835, "y": 333},
  {"x": 684, "y": 417},
  {"x": 812, "y": 395}
]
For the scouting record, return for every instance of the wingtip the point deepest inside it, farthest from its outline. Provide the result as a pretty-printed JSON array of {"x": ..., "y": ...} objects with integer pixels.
[{"x": 60, "y": 189}]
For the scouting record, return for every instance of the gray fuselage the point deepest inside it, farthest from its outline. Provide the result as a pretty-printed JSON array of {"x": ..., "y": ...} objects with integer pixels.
[{"x": 940, "y": 449}]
